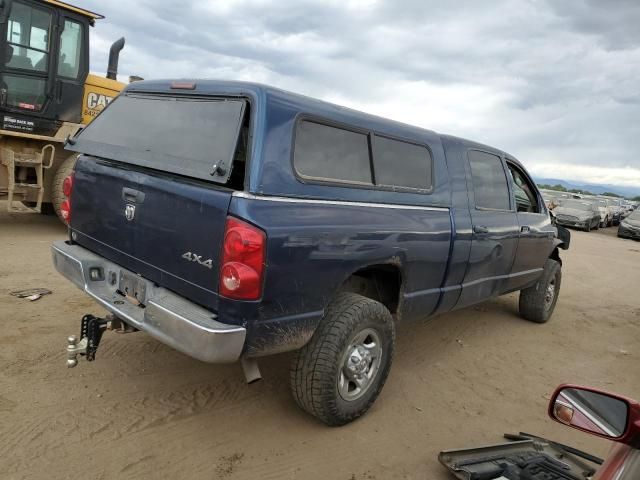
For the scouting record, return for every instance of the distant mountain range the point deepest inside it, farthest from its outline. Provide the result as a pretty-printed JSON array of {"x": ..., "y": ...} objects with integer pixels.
[{"x": 591, "y": 187}]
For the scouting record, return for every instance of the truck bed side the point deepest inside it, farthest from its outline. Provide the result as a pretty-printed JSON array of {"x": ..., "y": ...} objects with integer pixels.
[{"x": 315, "y": 246}]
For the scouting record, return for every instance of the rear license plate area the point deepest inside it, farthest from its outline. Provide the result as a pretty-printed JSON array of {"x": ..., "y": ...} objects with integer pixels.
[{"x": 132, "y": 287}]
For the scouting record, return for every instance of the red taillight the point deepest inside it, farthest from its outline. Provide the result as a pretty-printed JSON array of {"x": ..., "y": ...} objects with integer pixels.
[
  {"x": 67, "y": 186},
  {"x": 65, "y": 211},
  {"x": 65, "y": 206},
  {"x": 242, "y": 261}
]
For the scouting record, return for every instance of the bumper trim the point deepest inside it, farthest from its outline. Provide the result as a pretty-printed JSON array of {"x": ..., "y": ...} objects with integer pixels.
[
  {"x": 570, "y": 223},
  {"x": 168, "y": 317}
]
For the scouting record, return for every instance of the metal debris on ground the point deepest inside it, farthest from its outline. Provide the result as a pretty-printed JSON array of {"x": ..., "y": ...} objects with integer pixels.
[{"x": 31, "y": 294}]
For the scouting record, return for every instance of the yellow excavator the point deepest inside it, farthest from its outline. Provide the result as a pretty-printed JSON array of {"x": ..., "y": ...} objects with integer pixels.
[{"x": 46, "y": 95}]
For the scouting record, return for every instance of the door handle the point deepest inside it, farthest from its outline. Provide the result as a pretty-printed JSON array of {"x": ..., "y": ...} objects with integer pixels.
[
  {"x": 525, "y": 228},
  {"x": 131, "y": 195},
  {"x": 480, "y": 229}
]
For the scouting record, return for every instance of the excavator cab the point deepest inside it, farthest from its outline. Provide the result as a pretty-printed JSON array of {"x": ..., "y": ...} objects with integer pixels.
[
  {"x": 43, "y": 65},
  {"x": 46, "y": 95}
]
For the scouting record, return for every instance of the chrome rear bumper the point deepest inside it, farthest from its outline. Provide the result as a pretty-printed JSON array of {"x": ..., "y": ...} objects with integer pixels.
[{"x": 166, "y": 316}]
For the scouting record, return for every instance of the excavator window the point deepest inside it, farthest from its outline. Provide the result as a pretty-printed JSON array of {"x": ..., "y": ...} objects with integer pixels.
[
  {"x": 28, "y": 35},
  {"x": 44, "y": 59},
  {"x": 27, "y": 54},
  {"x": 70, "y": 49}
]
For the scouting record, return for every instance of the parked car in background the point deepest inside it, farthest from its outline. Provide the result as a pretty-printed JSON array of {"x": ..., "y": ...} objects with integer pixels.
[
  {"x": 604, "y": 209},
  {"x": 627, "y": 208},
  {"x": 615, "y": 206},
  {"x": 578, "y": 214},
  {"x": 630, "y": 226}
]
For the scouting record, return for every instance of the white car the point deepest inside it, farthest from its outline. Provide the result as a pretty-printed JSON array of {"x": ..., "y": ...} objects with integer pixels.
[{"x": 606, "y": 214}]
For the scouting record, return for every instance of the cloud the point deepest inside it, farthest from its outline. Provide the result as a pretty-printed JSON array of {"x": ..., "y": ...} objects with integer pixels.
[{"x": 554, "y": 83}]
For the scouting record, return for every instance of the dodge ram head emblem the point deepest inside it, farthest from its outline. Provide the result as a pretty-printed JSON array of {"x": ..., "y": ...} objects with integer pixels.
[{"x": 129, "y": 211}]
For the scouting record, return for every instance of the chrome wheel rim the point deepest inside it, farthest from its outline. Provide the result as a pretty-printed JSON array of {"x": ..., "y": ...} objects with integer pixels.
[
  {"x": 550, "y": 293},
  {"x": 360, "y": 364}
]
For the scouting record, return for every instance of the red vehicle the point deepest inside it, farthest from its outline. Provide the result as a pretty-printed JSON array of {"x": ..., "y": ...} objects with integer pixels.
[
  {"x": 529, "y": 457},
  {"x": 606, "y": 415}
]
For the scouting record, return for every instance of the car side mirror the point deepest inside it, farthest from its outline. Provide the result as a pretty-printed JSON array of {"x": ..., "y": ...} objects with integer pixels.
[{"x": 596, "y": 412}]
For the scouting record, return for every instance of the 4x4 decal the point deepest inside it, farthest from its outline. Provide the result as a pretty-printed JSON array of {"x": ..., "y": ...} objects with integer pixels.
[{"x": 192, "y": 257}]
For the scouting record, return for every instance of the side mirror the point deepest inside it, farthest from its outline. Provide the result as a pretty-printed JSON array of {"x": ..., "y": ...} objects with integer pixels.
[{"x": 596, "y": 412}]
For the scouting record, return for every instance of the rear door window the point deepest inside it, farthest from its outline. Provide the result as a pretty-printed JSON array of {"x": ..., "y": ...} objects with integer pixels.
[
  {"x": 489, "y": 181},
  {"x": 330, "y": 153},
  {"x": 195, "y": 137},
  {"x": 401, "y": 164}
]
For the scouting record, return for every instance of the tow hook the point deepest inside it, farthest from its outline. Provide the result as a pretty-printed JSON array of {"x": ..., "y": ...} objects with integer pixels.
[{"x": 91, "y": 330}]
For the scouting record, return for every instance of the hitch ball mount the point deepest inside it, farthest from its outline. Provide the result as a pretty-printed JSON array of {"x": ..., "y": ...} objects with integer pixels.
[{"x": 91, "y": 330}]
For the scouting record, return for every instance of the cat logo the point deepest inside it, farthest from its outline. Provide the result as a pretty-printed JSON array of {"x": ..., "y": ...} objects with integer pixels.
[{"x": 97, "y": 101}]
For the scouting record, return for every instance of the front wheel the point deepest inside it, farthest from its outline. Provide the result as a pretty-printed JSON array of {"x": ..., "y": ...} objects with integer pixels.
[
  {"x": 338, "y": 375},
  {"x": 538, "y": 301}
]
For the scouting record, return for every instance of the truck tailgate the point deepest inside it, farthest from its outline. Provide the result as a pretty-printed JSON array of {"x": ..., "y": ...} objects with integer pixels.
[{"x": 172, "y": 233}]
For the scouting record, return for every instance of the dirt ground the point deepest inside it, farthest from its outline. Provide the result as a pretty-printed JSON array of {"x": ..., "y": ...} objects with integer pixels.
[{"x": 143, "y": 410}]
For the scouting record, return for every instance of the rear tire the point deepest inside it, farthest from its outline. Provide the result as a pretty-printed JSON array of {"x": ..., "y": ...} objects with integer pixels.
[
  {"x": 538, "y": 301},
  {"x": 64, "y": 170},
  {"x": 338, "y": 375}
]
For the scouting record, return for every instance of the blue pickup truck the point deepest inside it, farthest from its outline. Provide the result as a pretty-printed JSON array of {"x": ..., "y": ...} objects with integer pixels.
[{"x": 231, "y": 221}]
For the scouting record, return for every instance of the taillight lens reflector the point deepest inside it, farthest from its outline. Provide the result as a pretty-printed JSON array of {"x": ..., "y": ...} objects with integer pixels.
[
  {"x": 65, "y": 211},
  {"x": 243, "y": 260},
  {"x": 65, "y": 206},
  {"x": 67, "y": 186}
]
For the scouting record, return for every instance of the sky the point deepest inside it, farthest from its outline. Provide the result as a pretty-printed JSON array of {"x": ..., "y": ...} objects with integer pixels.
[{"x": 554, "y": 83}]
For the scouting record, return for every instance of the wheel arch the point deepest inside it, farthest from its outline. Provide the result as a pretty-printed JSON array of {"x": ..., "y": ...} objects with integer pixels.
[{"x": 382, "y": 282}]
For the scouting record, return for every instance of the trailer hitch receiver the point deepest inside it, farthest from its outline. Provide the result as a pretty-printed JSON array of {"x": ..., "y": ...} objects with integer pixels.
[{"x": 91, "y": 330}]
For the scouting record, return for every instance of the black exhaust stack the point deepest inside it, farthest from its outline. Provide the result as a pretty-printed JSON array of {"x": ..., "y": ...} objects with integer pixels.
[{"x": 114, "y": 54}]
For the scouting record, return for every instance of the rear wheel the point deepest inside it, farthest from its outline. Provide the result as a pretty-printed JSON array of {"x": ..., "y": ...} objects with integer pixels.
[
  {"x": 538, "y": 301},
  {"x": 338, "y": 375},
  {"x": 64, "y": 170}
]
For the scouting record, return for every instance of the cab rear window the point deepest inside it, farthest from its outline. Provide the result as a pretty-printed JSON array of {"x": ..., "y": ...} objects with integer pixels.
[
  {"x": 195, "y": 137},
  {"x": 333, "y": 154},
  {"x": 326, "y": 152}
]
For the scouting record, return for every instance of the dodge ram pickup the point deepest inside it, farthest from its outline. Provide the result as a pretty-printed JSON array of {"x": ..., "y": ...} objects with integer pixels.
[{"x": 232, "y": 220}]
